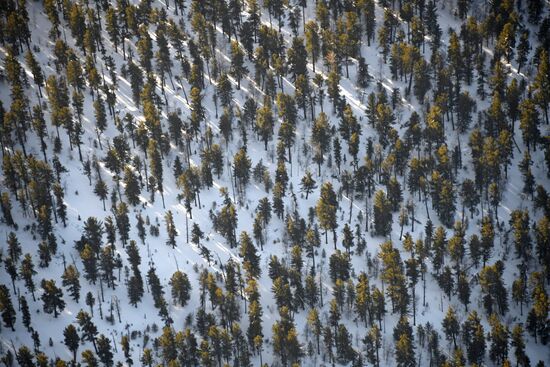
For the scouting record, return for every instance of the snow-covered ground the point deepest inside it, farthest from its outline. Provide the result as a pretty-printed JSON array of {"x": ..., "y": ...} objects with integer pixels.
[{"x": 82, "y": 203}]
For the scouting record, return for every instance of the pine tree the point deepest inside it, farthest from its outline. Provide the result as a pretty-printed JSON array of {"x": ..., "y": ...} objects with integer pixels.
[
  {"x": 451, "y": 326},
  {"x": 89, "y": 358},
  {"x": 404, "y": 352},
  {"x": 519, "y": 222},
  {"x": 265, "y": 122},
  {"x": 285, "y": 339},
  {"x": 181, "y": 288},
  {"x": 537, "y": 318},
  {"x": 101, "y": 190},
  {"x": 326, "y": 209},
  {"x": 333, "y": 88},
  {"x": 421, "y": 75},
  {"x": 542, "y": 84},
  {"x": 71, "y": 339},
  {"x": 528, "y": 123},
  {"x": 373, "y": 343},
  {"x": 122, "y": 222},
  {"x": 487, "y": 238},
  {"x": 498, "y": 351},
  {"x": 72, "y": 282},
  {"x": 251, "y": 260},
  {"x": 162, "y": 56},
  {"x": 52, "y": 297},
  {"x": 24, "y": 356},
  {"x": 11, "y": 270},
  {"x": 135, "y": 288},
  {"x": 519, "y": 346},
  {"x": 238, "y": 69},
  {"x": 382, "y": 214},
  {"x": 100, "y": 118},
  {"x": 61, "y": 207},
  {"x": 313, "y": 47},
  {"x": 493, "y": 288},
  {"x": 363, "y": 76},
  {"x": 463, "y": 289},
  {"x": 26, "y": 272},
  {"x": 224, "y": 91},
  {"x": 156, "y": 167},
  {"x": 6, "y": 308},
  {"x": 104, "y": 351},
  {"x": 474, "y": 338},
  {"x": 542, "y": 236},
  {"x": 254, "y": 331},
  {"x": 170, "y": 229},
  {"x": 308, "y": 184},
  {"x": 14, "y": 247},
  {"x": 197, "y": 110},
  {"x": 393, "y": 275},
  {"x": 36, "y": 70},
  {"x": 132, "y": 188},
  {"x": 320, "y": 139},
  {"x": 523, "y": 49},
  {"x": 144, "y": 47},
  {"x": 241, "y": 169},
  {"x": 89, "y": 261},
  {"x": 108, "y": 264},
  {"x": 25, "y": 313}
]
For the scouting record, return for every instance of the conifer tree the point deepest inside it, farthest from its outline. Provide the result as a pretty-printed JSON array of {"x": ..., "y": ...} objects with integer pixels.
[
  {"x": 72, "y": 282},
  {"x": 11, "y": 270},
  {"x": 421, "y": 77},
  {"x": 265, "y": 122},
  {"x": 5, "y": 204},
  {"x": 170, "y": 229},
  {"x": 6, "y": 308},
  {"x": 241, "y": 169},
  {"x": 499, "y": 336},
  {"x": 36, "y": 70},
  {"x": 181, "y": 288},
  {"x": 285, "y": 339},
  {"x": 393, "y": 275},
  {"x": 326, "y": 209},
  {"x": 122, "y": 222},
  {"x": 320, "y": 139},
  {"x": 132, "y": 189},
  {"x": 493, "y": 288},
  {"x": 251, "y": 260},
  {"x": 308, "y": 184},
  {"x": 25, "y": 313},
  {"x": 135, "y": 288},
  {"x": 373, "y": 343},
  {"x": 523, "y": 49},
  {"x": 71, "y": 340},
  {"x": 519, "y": 346},
  {"x": 156, "y": 167},
  {"x": 89, "y": 261},
  {"x": 404, "y": 352},
  {"x": 52, "y": 297},
  {"x": 104, "y": 352},
  {"x": 451, "y": 326},
  {"x": 542, "y": 84},
  {"x": 238, "y": 69},
  {"x": 26, "y": 272},
  {"x": 382, "y": 214},
  {"x": 101, "y": 190},
  {"x": 528, "y": 123}
]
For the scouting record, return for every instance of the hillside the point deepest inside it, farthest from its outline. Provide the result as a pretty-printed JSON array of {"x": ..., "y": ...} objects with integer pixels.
[{"x": 275, "y": 182}]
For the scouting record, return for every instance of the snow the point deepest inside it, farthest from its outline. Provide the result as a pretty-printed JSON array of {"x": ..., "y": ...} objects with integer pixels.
[{"x": 82, "y": 203}]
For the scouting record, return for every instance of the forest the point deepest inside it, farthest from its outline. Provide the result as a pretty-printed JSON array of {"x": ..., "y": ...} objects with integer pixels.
[{"x": 275, "y": 183}]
